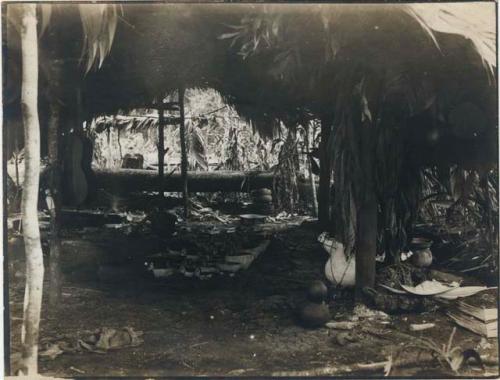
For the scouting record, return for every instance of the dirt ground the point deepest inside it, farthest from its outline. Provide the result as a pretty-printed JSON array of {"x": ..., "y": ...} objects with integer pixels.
[{"x": 240, "y": 326}]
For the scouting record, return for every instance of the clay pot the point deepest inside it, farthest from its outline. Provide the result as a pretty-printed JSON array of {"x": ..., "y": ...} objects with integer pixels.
[
  {"x": 419, "y": 243},
  {"x": 422, "y": 258},
  {"x": 314, "y": 315},
  {"x": 422, "y": 254},
  {"x": 317, "y": 291}
]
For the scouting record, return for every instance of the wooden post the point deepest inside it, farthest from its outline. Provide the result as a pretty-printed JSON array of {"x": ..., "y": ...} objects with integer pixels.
[
  {"x": 366, "y": 236},
  {"x": 366, "y": 245},
  {"x": 161, "y": 151},
  {"x": 325, "y": 173},
  {"x": 31, "y": 231},
  {"x": 53, "y": 197},
  {"x": 184, "y": 163},
  {"x": 16, "y": 157},
  {"x": 311, "y": 176}
]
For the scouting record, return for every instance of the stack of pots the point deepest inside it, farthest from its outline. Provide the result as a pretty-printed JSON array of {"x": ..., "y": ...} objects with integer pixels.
[{"x": 262, "y": 200}]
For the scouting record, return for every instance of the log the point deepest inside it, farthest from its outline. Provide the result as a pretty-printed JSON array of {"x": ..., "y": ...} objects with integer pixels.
[{"x": 133, "y": 180}]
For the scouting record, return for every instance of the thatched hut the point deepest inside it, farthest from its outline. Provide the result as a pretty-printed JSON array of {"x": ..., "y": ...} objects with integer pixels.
[{"x": 397, "y": 88}]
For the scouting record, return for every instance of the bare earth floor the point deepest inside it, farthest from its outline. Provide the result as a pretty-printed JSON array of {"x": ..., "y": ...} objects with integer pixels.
[{"x": 241, "y": 326}]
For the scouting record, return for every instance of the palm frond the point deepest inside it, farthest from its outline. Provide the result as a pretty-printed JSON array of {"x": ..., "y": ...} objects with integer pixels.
[
  {"x": 99, "y": 23},
  {"x": 475, "y": 22},
  {"x": 46, "y": 15}
]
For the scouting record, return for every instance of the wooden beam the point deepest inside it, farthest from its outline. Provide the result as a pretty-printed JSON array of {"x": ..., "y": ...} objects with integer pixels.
[
  {"x": 168, "y": 106},
  {"x": 136, "y": 180}
]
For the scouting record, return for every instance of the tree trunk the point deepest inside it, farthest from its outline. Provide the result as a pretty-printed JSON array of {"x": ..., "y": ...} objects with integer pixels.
[
  {"x": 31, "y": 232},
  {"x": 325, "y": 174},
  {"x": 54, "y": 204},
  {"x": 311, "y": 175},
  {"x": 184, "y": 160},
  {"x": 161, "y": 151}
]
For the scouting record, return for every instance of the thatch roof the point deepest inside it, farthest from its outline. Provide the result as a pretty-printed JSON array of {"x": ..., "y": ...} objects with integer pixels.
[{"x": 291, "y": 61}]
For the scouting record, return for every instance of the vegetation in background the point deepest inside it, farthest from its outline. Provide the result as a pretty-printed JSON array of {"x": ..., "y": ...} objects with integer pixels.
[{"x": 217, "y": 137}]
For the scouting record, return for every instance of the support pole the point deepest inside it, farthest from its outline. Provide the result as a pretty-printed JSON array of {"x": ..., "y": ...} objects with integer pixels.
[
  {"x": 31, "y": 231},
  {"x": 161, "y": 151},
  {"x": 366, "y": 236},
  {"x": 325, "y": 174},
  {"x": 366, "y": 246},
  {"x": 53, "y": 197},
  {"x": 311, "y": 175},
  {"x": 184, "y": 163}
]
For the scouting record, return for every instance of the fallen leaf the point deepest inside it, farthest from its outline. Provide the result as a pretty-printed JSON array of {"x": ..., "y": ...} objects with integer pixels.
[
  {"x": 51, "y": 352},
  {"x": 464, "y": 291},
  {"x": 427, "y": 288}
]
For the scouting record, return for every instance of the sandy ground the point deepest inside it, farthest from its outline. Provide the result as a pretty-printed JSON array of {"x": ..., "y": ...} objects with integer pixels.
[{"x": 241, "y": 326}]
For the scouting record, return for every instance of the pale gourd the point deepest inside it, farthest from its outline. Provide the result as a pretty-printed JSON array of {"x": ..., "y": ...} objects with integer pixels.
[{"x": 339, "y": 269}]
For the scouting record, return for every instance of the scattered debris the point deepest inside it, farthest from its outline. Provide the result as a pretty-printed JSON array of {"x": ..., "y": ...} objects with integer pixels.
[
  {"x": 238, "y": 372},
  {"x": 324, "y": 371},
  {"x": 106, "y": 339},
  {"x": 385, "y": 365},
  {"x": 76, "y": 370},
  {"x": 51, "y": 352},
  {"x": 453, "y": 356},
  {"x": 484, "y": 344},
  {"x": 362, "y": 311},
  {"x": 397, "y": 303},
  {"x": 341, "y": 325},
  {"x": 100, "y": 341},
  {"x": 342, "y": 338},
  {"x": 421, "y": 326}
]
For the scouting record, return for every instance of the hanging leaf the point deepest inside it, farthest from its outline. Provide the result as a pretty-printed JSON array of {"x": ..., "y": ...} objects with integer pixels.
[
  {"x": 45, "y": 13},
  {"x": 99, "y": 23}
]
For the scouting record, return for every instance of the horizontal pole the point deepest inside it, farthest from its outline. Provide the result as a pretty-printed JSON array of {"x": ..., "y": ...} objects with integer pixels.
[{"x": 131, "y": 180}]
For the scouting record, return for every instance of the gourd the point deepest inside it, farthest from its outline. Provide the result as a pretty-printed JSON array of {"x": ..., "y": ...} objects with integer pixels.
[{"x": 340, "y": 270}]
